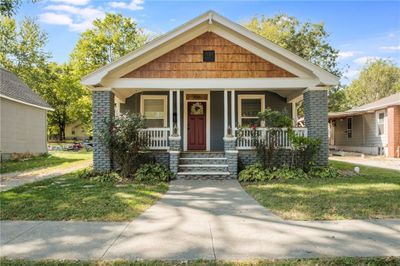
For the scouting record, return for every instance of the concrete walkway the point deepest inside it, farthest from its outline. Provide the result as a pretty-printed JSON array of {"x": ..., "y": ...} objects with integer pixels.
[
  {"x": 374, "y": 161},
  {"x": 15, "y": 179},
  {"x": 201, "y": 219}
]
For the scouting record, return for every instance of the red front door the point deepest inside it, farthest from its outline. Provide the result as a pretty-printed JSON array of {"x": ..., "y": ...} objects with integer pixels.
[{"x": 197, "y": 125}]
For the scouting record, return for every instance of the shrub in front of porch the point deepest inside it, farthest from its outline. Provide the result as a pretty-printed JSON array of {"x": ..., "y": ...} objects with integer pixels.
[
  {"x": 153, "y": 172},
  {"x": 270, "y": 154},
  {"x": 257, "y": 173},
  {"x": 122, "y": 137}
]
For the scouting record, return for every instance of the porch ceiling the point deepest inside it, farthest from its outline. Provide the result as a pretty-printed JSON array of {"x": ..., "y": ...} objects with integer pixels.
[{"x": 292, "y": 95}]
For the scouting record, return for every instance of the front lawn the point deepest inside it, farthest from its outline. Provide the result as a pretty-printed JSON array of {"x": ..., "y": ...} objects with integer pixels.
[
  {"x": 375, "y": 193},
  {"x": 339, "y": 261},
  {"x": 69, "y": 197},
  {"x": 56, "y": 158}
]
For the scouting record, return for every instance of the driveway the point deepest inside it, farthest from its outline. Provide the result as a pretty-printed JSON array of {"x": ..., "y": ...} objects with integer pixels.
[
  {"x": 374, "y": 161},
  {"x": 201, "y": 219},
  {"x": 15, "y": 179}
]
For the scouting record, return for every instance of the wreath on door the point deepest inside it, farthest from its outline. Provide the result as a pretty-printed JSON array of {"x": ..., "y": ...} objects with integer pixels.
[{"x": 197, "y": 109}]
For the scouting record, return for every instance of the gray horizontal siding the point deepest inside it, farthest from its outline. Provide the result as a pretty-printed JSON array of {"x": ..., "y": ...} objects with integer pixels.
[
  {"x": 272, "y": 100},
  {"x": 364, "y": 132}
]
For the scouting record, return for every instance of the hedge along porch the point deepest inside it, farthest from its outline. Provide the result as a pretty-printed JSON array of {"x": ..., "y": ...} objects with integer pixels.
[{"x": 198, "y": 83}]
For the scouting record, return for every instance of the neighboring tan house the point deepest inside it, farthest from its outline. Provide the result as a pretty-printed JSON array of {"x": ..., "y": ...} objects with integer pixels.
[
  {"x": 73, "y": 131},
  {"x": 76, "y": 131},
  {"x": 23, "y": 118},
  {"x": 196, "y": 84},
  {"x": 373, "y": 128}
]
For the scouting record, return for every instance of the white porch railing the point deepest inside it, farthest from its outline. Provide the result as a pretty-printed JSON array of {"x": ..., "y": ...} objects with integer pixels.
[
  {"x": 246, "y": 136},
  {"x": 157, "y": 138}
]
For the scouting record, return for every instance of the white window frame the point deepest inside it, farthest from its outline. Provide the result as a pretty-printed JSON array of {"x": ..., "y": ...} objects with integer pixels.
[
  {"x": 377, "y": 113},
  {"x": 251, "y": 97},
  {"x": 155, "y": 97}
]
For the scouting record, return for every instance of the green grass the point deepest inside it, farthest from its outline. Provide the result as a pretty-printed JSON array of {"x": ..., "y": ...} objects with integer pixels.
[
  {"x": 57, "y": 158},
  {"x": 66, "y": 198},
  {"x": 375, "y": 193},
  {"x": 340, "y": 261}
]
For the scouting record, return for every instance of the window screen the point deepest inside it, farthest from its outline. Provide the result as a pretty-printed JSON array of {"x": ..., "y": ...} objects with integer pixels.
[
  {"x": 154, "y": 112},
  {"x": 250, "y": 109}
]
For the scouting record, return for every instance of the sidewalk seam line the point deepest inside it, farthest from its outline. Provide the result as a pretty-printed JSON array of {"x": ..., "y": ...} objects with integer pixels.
[
  {"x": 212, "y": 241},
  {"x": 115, "y": 240},
  {"x": 26, "y": 231}
]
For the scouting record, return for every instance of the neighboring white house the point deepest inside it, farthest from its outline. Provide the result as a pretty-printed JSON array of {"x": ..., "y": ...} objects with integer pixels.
[
  {"x": 373, "y": 128},
  {"x": 23, "y": 118}
]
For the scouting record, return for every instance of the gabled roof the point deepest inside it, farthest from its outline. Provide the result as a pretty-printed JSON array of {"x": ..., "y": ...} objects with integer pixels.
[
  {"x": 211, "y": 18},
  {"x": 14, "y": 89},
  {"x": 391, "y": 100}
]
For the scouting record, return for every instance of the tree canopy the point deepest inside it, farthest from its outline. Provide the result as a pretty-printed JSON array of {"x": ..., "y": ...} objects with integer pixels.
[
  {"x": 22, "y": 51},
  {"x": 109, "y": 39},
  {"x": 307, "y": 40},
  {"x": 378, "y": 79},
  {"x": 9, "y": 8}
]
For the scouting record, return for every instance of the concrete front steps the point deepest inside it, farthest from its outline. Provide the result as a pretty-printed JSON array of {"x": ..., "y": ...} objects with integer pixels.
[{"x": 202, "y": 166}]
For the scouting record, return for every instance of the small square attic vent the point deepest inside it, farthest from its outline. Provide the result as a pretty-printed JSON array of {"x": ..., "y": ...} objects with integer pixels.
[{"x": 209, "y": 56}]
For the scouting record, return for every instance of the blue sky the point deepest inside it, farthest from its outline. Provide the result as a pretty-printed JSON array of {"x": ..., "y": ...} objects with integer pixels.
[{"x": 361, "y": 30}]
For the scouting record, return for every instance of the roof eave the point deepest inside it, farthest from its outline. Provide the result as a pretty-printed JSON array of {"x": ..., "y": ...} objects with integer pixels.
[
  {"x": 26, "y": 103},
  {"x": 96, "y": 77}
]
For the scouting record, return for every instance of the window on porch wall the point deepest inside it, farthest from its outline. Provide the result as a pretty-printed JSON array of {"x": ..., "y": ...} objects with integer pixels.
[
  {"x": 154, "y": 109},
  {"x": 380, "y": 119},
  {"x": 248, "y": 108}
]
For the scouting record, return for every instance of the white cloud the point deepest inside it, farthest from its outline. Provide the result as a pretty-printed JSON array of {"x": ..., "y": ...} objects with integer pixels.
[
  {"x": 72, "y": 2},
  {"x": 55, "y": 19},
  {"x": 392, "y": 35},
  {"x": 352, "y": 74},
  {"x": 76, "y": 18},
  {"x": 390, "y": 48},
  {"x": 133, "y": 5},
  {"x": 346, "y": 54},
  {"x": 365, "y": 59}
]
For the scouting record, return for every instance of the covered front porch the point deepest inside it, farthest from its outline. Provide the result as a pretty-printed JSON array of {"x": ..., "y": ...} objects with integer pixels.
[
  {"x": 209, "y": 120},
  {"x": 202, "y": 118}
]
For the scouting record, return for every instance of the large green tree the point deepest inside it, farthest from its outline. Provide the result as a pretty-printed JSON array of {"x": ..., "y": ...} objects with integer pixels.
[
  {"x": 306, "y": 39},
  {"x": 378, "y": 79},
  {"x": 22, "y": 51},
  {"x": 72, "y": 102},
  {"x": 109, "y": 39}
]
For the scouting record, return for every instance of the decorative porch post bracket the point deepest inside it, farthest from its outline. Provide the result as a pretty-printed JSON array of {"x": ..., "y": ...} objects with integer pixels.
[
  {"x": 102, "y": 111},
  {"x": 231, "y": 154},
  {"x": 174, "y": 153},
  {"x": 316, "y": 120}
]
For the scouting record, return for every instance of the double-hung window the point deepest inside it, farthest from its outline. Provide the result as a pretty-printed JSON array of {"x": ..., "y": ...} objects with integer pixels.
[
  {"x": 154, "y": 110},
  {"x": 248, "y": 108},
  {"x": 380, "y": 123}
]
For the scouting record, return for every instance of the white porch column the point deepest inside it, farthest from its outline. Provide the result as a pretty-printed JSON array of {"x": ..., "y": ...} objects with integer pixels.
[
  {"x": 178, "y": 111},
  {"x": 225, "y": 112},
  {"x": 294, "y": 113},
  {"x": 233, "y": 105},
  {"x": 171, "y": 111}
]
